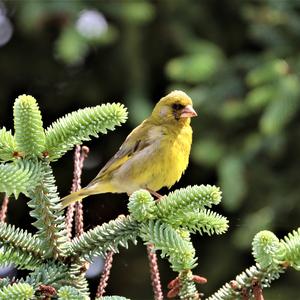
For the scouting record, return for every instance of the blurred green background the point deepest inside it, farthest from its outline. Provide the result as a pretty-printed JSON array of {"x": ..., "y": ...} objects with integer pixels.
[{"x": 238, "y": 59}]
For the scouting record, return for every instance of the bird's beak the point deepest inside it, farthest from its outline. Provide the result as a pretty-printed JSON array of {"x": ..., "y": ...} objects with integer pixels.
[{"x": 188, "y": 112}]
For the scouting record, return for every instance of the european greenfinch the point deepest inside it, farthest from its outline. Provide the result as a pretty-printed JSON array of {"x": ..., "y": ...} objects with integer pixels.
[{"x": 154, "y": 155}]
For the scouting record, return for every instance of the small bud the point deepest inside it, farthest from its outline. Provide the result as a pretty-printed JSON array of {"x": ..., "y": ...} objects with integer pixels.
[
  {"x": 199, "y": 279},
  {"x": 173, "y": 292},
  {"x": 173, "y": 283},
  {"x": 234, "y": 284}
]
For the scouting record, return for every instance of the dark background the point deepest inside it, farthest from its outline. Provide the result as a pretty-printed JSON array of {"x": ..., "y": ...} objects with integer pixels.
[{"x": 238, "y": 60}]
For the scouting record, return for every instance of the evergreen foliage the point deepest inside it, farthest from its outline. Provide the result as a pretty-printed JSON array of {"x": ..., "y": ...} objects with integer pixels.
[
  {"x": 106, "y": 237},
  {"x": 29, "y": 131},
  {"x": 20, "y": 291},
  {"x": 77, "y": 277},
  {"x": 291, "y": 246},
  {"x": 272, "y": 257},
  {"x": 187, "y": 289},
  {"x": 7, "y": 146},
  {"x": 49, "y": 273},
  {"x": 179, "y": 250},
  {"x": 20, "y": 247},
  {"x": 69, "y": 293},
  {"x": 266, "y": 247},
  {"x": 78, "y": 126},
  {"x": 204, "y": 221},
  {"x": 49, "y": 221},
  {"x": 58, "y": 265},
  {"x": 186, "y": 200},
  {"x": 20, "y": 176},
  {"x": 141, "y": 206}
]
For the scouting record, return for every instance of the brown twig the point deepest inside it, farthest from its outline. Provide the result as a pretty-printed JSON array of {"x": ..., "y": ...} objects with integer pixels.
[
  {"x": 78, "y": 206},
  {"x": 78, "y": 218},
  {"x": 4, "y": 207},
  {"x": 79, "y": 157},
  {"x": 257, "y": 291},
  {"x": 154, "y": 271},
  {"x": 69, "y": 220},
  {"x": 105, "y": 274},
  {"x": 74, "y": 188},
  {"x": 47, "y": 291},
  {"x": 245, "y": 294}
]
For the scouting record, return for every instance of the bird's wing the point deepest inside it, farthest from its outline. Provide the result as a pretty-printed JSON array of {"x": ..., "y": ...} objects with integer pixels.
[{"x": 136, "y": 141}]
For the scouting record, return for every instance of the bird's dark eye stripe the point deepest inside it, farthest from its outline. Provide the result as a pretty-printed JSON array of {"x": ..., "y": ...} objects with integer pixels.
[{"x": 177, "y": 106}]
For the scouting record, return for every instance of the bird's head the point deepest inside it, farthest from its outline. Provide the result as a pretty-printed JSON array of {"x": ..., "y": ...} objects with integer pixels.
[{"x": 177, "y": 106}]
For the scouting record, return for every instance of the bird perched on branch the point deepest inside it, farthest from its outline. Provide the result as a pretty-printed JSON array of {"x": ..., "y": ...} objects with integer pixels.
[{"x": 154, "y": 155}]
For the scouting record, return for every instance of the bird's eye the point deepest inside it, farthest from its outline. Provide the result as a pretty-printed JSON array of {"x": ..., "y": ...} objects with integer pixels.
[{"x": 177, "y": 106}]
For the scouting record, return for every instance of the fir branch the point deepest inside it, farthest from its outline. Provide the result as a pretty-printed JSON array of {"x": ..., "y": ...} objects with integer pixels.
[
  {"x": 48, "y": 273},
  {"x": 18, "y": 177},
  {"x": 77, "y": 275},
  {"x": 270, "y": 252},
  {"x": 5, "y": 281},
  {"x": 19, "y": 247},
  {"x": 266, "y": 249},
  {"x": 70, "y": 293},
  {"x": 190, "y": 198},
  {"x": 234, "y": 289},
  {"x": 291, "y": 246},
  {"x": 188, "y": 289},
  {"x": 180, "y": 251},
  {"x": 21, "y": 259},
  {"x": 106, "y": 237},
  {"x": 76, "y": 127},
  {"x": 29, "y": 132},
  {"x": 141, "y": 205},
  {"x": 20, "y": 291},
  {"x": 272, "y": 255},
  {"x": 204, "y": 221},
  {"x": 49, "y": 218},
  {"x": 7, "y": 145}
]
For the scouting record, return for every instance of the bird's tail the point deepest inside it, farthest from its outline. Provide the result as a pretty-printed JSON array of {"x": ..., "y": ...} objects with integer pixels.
[{"x": 73, "y": 197}]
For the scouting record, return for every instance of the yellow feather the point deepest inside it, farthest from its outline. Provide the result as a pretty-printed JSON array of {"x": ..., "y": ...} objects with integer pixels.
[
  {"x": 155, "y": 154},
  {"x": 73, "y": 197}
]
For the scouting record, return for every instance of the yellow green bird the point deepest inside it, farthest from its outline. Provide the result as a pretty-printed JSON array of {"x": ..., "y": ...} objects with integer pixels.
[{"x": 154, "y": 155}]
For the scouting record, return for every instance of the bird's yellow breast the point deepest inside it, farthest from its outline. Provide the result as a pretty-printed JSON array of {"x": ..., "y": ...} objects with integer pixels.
[{"x": 174, "y": 158}]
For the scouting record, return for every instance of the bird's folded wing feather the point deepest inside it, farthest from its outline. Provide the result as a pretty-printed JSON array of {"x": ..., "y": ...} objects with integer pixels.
[{"x": 136, "y": 141}]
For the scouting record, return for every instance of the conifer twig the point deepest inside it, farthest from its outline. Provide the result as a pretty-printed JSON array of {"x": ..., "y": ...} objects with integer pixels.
[
  {"x": 69, "y": 220},
  {"x": 74, "y": 188},
  {"x": 78, "y": 218},
  {"x": 245, "y": 295},
  {"x": 257, "y": 291},
  {"x": 105, "y": 274},
  {"x": 78, "y": 206},
  {"x": 79, "y": 156},
  {"x": 4, "y": 207},
  {"x": 49, "y": 220},
  {"x": 155, "y": 277}
]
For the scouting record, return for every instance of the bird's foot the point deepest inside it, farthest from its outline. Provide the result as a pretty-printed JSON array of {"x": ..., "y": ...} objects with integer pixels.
[{"x": 155, "y": 194}]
